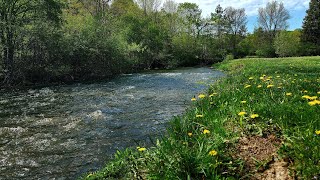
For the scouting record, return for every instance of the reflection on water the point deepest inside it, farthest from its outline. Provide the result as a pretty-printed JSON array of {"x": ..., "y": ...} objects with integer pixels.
[{"x": 63, "y": 132}]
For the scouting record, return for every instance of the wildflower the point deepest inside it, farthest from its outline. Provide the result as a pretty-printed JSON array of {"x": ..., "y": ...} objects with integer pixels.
[
  {"x": 141, "y": 149},
  {"x": 189, "y": 134},
  {"x": 313, "y": 98},
  {"x": 206, "y": 131},
  {"x": 254, "y": 116},
  {"x": 288, "y": 94},
  {"x": 304, "y": 91},
  {"x": 261, "y": 78},
  {"x": 213, "y": 153},
  {"x": 250, "y": 78},
  {"x": 259, "y": 86},
  {"x": 213, "y": 94},
  {"x": 242, "y": 113},
  {"x": 305, "y": 97},
  {"x": 318, "y": 92},
  {"x": 193, "y": 99},
  {"x": 314, "y": 102},
  {"x": 317, "y": 132},
  {"x": 247, "y": 86},
  {"x": 199, "y": 115},
  {"x": 201, "y": 96},
  {"x": 270, "y": 86},
  {"x": 243, "y": 102}
]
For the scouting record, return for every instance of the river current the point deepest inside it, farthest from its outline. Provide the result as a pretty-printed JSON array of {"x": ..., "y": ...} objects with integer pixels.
[{"x": 64, "y": 131}]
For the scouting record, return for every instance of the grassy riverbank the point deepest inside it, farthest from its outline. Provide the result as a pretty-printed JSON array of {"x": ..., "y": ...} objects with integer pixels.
[{"x": 261, "y": 121}]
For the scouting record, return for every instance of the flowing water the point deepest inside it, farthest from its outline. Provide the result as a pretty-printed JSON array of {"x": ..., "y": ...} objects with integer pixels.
[{"x": 65, "y": 131}]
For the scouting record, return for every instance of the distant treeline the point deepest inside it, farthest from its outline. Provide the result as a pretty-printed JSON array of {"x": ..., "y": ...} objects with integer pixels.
[{"x": 48, "y": 41}]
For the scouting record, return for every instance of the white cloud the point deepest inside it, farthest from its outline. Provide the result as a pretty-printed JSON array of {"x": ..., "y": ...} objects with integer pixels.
[{"x": 251, "y": 6}]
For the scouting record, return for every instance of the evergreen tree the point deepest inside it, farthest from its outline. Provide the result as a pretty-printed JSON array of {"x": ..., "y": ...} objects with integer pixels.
[{"x": 311, "y": 26}]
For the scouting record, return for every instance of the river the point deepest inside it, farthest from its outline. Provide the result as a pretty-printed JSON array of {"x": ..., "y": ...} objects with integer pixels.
[{"x": 64, "y": 131}]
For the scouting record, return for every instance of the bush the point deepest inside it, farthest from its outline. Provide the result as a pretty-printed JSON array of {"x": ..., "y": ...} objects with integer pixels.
[
  {"x": 287, "y": 43},
  {"x": 229, "y": 57}
]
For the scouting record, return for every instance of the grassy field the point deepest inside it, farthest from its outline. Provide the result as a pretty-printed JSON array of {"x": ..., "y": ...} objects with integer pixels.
[{"x": 261, "y": 121}]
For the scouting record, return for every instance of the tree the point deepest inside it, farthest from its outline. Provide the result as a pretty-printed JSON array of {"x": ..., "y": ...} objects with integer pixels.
[
  {"x": 218, "y": 20},
  {"x": 287, "y": 43},
  {"x": 236, "y": 21},
  {"x": 14, "y": 16},
  {"x": 273, "y": 18},
  {"x": 311, "y": 27},
  {"x": 149, "y": 5},
  {"x": 190, "y": 14},
  {"x": 170, "y": 6}
]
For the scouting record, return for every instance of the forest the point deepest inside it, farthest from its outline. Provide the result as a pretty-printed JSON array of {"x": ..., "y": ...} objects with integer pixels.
[{"x": 58, "y": 41}]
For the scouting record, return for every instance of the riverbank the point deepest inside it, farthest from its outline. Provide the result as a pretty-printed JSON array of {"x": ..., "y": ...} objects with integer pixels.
[{"x": 261, "y": 121}]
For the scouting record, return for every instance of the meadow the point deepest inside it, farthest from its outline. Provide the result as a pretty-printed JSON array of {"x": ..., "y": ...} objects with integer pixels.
[{"x": 261, "y": 121}]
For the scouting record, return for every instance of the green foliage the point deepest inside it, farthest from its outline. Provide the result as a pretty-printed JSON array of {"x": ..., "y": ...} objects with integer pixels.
[
  {"x": 287, "y": 43},
  {"x": 18, "y": 19},
  {"x": 229, "y": 57},
  {"x": 311, "y": 26}
]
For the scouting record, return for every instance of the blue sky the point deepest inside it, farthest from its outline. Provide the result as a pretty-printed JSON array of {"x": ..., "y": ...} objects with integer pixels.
[{"x": 296, "y": 8}]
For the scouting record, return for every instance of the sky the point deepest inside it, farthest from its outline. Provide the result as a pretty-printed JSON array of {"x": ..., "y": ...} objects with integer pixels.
[{"x": 297, "y": 9}]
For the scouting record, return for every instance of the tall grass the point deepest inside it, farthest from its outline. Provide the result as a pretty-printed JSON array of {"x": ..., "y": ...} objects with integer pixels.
[{"x": 257, "y": 98}]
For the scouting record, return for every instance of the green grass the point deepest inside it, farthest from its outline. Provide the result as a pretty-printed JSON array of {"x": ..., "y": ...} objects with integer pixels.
[{"x": 289, "y": 117}]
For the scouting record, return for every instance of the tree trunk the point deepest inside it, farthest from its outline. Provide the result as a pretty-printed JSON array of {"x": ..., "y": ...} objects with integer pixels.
[{"x": 8, "y": 55}]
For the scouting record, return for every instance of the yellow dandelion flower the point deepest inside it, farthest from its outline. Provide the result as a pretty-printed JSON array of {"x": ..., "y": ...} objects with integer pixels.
[
  {"x": 318, "y": 92},
  {"x": 317, "y": 132},
  {"x": 213, "y": 153},
  {"x": 261, "y": 78},
  {"x": 193, "y": 99},
  {"x": 189, "y": 134},
  {"x": 312, "y": 103},
  {"x": 317, "y": 102},
  {"x": 213, "y": 94},
  {"x": 288, "y": 94},
  {"x": 313, "y": 98},
  {"x": 206, "y": 131},
  {"x": 254, "y": 116},
  {"x": 247, "y": 86},
  {"x": 243, "y": 102},
  {"x": 201, "y": 96},
  {"x": 199, "y": 115},
  {"x": 304, "y": 91},
  {"x": 270, "y": 86},
  {"x": 142, "y": 149},
  {"x": 250, "y": 78},
  {"x": 305, "y": 97},
  {"x": 259, "y": 86},
  {"x": 242, "y": 113}
]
